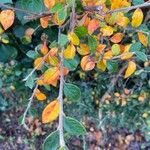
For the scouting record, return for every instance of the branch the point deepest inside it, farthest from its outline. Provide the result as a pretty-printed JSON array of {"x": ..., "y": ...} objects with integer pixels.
[
  {"x": 99, "y": 8},
  {"x": 112, "y": 84},
  {"x": 60, "y": 97},
  {"x": 146, "y": 4},
  {"x": 17, "y": 9},
  {"x": 41, "y": 63},
  {"x": 28, "y": 106}
]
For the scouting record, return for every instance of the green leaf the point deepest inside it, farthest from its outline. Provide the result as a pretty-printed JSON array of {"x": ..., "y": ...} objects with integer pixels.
[
  {"x": 32, "y": 54},
  {"x": 6, "y": 1},
  {"x": 30, "y": 82},
  {"x": 115, "y": 49},
  {"x": 56, "y": 8},
  {"x": 137, "y": 2},
  {"x": 73, "y": 126},
  {"x": 7, "y": 52},
  {"x": 63, "y": 39},
  {"x": 62, "y": 14},
  {"x": 34, "y": 6},
  {"x": 142, "y": 56},
  {"x": 135, "y": 47},
  {"x": 72, "y": 92},
  {"x": 81, "y": 31},
  {"x": 52, "y": 141},
  {"x": 71, "y": 64},
  {"x": 112, "y": 65},
  {"x": 92, "y": 43}
]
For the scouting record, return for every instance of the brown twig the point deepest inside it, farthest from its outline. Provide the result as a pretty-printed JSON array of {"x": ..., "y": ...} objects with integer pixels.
[
  {"x": 17, "y": 9},
  {"x": 112, "y": 84}
]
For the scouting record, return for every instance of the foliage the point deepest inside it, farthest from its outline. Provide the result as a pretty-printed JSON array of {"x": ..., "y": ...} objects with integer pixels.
[{"x": 85, "y": 42}]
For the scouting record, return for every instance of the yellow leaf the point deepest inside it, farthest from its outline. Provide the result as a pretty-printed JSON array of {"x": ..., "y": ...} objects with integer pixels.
[
  {"x": 38, "y": 63},
  {"x": 44, "y": 49},
  {"x": 73, "y": 38},
  {"x": 51, "y": 75},
  {"x": 101, "y": 65},
  {"x": 108, "y": 55},
  {"x": 7, "y": 18},
  {"x": 70, "y": 52},
  {"x": 107, "y": 30},
  {"x": 39, "y": 95},
  {"x": 126, "y": 55},
  {"x": 83, "y": 49},
  {"x": 130, "y": 69},
  {"x": 87, "y": 63},
  {"x": 121, "y": 20},
  {"x": 49, "y": 3},
  {"x": 137, "y": 18},
  {"x": 51, "y": 112},
  {"x": 143, "y": 39},
  {"x": 53, "y": 60}
]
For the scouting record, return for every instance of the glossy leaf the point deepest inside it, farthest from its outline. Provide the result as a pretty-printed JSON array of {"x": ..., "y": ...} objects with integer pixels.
[
  {"x": 73, "y": 126},
  {"x": 52, "y": 141},
  {"x": 72, "y": 92}
]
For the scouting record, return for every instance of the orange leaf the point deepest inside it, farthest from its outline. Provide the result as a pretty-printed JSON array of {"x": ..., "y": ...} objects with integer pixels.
[
  {"x": 83, "y": 49},
  {"x": 130, "y": 69},
  {"x": 39, "y": 95},
  {"x": 87, "y": 63},
  {"x": 49, "y": 3},
  {"x": 108, "y": 55},
  {"x": 143, "y": 39},
  {"x": 7, "y": 18},
  {"x": 93, "y": 25},
  {"x": 51, "y": 112},
  {"x": 53, "y": 51},
  {"x": 38, "y": 63},
  {"x": 116, "y": 38},
  {"x": 44, "y": 21},
  {"x": 137, "y": 18},
  {"x": 100, "y": 48},
  {"x": 44, "y": 49}
]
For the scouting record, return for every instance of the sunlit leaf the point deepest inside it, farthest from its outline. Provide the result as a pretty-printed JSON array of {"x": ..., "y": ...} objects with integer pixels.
[
  {"x": 107, "y": 30},
  {"x": 73, "y": 38},
  {"x": 126, "y": 55},
  {"x": 38, "y": 63},
  {"x": 93, "y": 25},
  {"x": 130, "y": 69},
  {"x": 87, "y": 63},
  {"x": 115, "y": 49},
  {"x": 51, "y": 112},
  {"x": 137, "y": 18},
  {"x": 44, "y": 21},
  {"x": 143, "y": 38},
  {"x": 39, "y": 95},
  {"x": 69, "y": 52},
  {"x": 49, "y": 3},
  {"x": 44, "y": 49},
  {"x": 117, "y": 38},
  {"x": 7, "y": 18}
]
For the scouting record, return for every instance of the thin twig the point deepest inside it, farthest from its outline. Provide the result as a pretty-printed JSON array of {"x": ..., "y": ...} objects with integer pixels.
[
  {"x": 17, "y": 9},
  {"x": 28, "y": 106},
  {"x": 41, "y": 63},
  {"x": 126, "y": 9},
  {"x": 112, "y": 84},
  {"x": 60, "y": 97}
]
